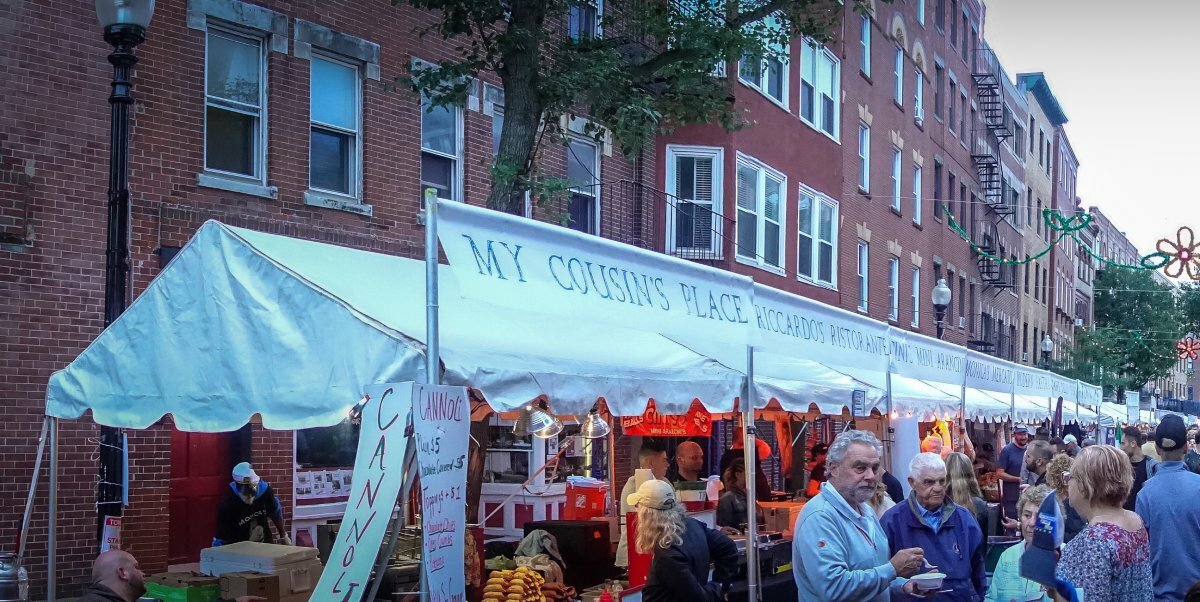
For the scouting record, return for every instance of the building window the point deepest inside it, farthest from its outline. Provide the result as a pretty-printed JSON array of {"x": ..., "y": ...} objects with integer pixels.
[
  {"x": 939, "y": 14},
  {"x": 694, "y": 178},
  {"x": 864, "y": 157},
  {"x": 916, "y": 297},
  {"x": 937, "y": 190},
  {"x": 896, "y": 177},
  {"x": 951, "y": 122},
  {"x": 957, "y": 213},
  {"x": 1027, "y": 268},
  {"x": 494, "y": 105},
  {"x": 1041, "y": 146},
  {"x": 333, "y": 143},
  {"x": 898, "y": 75},
  {"x": 767, "y": 74},
  {"x": 893, "y": 288},
  {"x": 918, "y": 97},
  {"x": 820, "y": 80},
  {"x": 760, "y": 201},
  {"x": 1019, "y": 140},
  {"x": 583, "y": 172},
  {"x": 917, "y": 194},
  {"x": 818, "y": 237},
  {"x": 921, "y": 12},
  {"x": 583, "y": 19},
  {"x": 234, "y": 114},
  {"x": 864, "y": 44},
  {"x": 441, "y": 158},
  {"x": 965, "y": 46},
  {"x": 954, "y": 22},
  {"x": 863, "y": 272},
  {"x": 962, "y": 116},
  {"x": 962, "y": 288}
]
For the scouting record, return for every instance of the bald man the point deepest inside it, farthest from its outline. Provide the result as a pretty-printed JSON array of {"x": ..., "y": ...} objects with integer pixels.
[
  {"x": 689, "y": 461},
  {"x": 116, "y": 577}
]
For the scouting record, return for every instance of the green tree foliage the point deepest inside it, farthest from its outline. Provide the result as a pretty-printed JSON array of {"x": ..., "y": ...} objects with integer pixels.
[
  {"x": 1133, "y": 341},
  {"x": 652, "y": 69}
]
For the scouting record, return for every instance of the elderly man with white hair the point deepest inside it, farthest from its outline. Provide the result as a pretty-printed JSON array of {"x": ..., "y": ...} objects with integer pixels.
[
  {"x": 947, "y": 533},
  {"x": 839, "y": 553}
]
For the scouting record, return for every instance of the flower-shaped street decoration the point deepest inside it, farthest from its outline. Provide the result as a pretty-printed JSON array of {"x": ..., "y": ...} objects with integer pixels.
[
  {"x": 1188, "y": 348},
  {"x": 1181, "y": 255}
]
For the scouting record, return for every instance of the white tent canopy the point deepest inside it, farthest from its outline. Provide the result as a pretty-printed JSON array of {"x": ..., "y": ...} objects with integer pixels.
[{"x": 243, "y": 323}]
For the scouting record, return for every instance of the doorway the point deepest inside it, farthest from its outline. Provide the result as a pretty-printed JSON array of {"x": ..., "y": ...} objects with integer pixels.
[{"x": 200, "y": 474}]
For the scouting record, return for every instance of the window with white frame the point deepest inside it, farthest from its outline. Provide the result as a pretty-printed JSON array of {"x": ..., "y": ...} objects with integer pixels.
[
  {"x": 863, "y": 274},
  {"x": 335, "y": 106},
  {"x": 760, "y": 203},
  {"x": 898, "y": 75},
  {"x": 917, "y": 194},
  {"x": 694, "y": 180},
  {"x": 441, "y": 150},
  {"x": 583, "y": 174},
  {"x": 817, "y": 219},
  {"x": 864, "y": 45},
  {"x": 896, "y": 177},
  {"x": 234, "y": 114},
  {"x": 768, "y": 73},
  {"x": 921, "y": 12},
  {"x": 583, "y": 19},
  {"x": 893, "y": 288},
  {"x": 493, "y": 98},
  {"x": 820, "y": 80},
  {"x": 864, "y": 157},
  {"x": 916, "y": 296},
  {"x": 918, "y": 96},
  {"x": 951, "y": 122}
]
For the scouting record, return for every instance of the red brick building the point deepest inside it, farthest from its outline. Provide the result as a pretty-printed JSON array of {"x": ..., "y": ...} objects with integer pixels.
[{"x": 222, "y": 130}]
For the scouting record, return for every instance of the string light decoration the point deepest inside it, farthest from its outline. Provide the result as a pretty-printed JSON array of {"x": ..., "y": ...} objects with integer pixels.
[
  {"x": 1181, "y": 254},
  {"x": 1188, "y": 348},
  {"x": 1068, "y": 227}
]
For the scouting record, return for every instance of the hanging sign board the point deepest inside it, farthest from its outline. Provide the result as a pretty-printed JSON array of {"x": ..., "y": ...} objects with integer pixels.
[
  {"x": 521, "y": 263},
  {"x": 442, "y": 419},
  {"x": 696, "y": 423},
  {"x": 110, "y": 538},
  {"x": 373, "y": 491}
]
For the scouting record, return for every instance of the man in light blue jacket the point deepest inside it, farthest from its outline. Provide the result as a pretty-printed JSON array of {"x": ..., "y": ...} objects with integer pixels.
[{"x": 840, "y": 553}]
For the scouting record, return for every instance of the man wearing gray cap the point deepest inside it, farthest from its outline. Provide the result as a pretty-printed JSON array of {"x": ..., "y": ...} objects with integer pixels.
[
  {"x": 1167, "y": 504},
  {"x": 1008, "y": 470}
]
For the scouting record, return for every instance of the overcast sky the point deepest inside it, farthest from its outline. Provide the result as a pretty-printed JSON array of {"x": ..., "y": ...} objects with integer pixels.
[{"x": 1125, "y": 73}]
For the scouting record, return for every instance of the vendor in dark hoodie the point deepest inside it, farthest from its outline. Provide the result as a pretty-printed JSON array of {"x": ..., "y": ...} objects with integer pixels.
[
  {"x": 246, "y": 508},
  {"x": 116, "y": 577},
  {"x": 946, "y": 532}
]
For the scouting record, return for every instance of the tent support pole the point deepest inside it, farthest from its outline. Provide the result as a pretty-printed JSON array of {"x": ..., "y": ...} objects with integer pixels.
[
  {"x": 751, "y": 457},
  {"x": 890, "y": 434},
  {"x": 52, "y": 536},
  {"x": 962, "y": 407},
  {"x": 37, "y": 471},
  {"x": 433, "y": 349}
]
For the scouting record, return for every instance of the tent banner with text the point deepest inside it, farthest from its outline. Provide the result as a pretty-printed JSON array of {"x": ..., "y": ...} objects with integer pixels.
[
  {"x": 696, "y": 423},
  {"x": 442, "y": 420},
  {"x": 374, "y": 488},
  {"x": 529, "y": 265},
  {"x": 794, "y": 326}
]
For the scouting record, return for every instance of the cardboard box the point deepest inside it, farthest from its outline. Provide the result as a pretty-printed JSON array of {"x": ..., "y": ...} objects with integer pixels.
[
  {"x": 780, "y": 516},
  {"x": 183, "y": 587},
  {"x": 249, "y": 583}
]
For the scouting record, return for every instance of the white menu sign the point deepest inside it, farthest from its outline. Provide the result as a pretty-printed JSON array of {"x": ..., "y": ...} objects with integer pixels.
[{"x": 442, "y": 418}]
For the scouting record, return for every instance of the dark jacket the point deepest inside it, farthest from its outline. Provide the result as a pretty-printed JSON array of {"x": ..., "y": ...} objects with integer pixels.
[
  {"x": 732, "y": 509},
  {"x": 99, "y": 593},
  {"x": 680, "y": 573},
  {"x": 894, "y": 489},
  {"x": 956, "y": 549},
  {"x": 762, "y": 485},
  {"x": 239, "y": 521}
]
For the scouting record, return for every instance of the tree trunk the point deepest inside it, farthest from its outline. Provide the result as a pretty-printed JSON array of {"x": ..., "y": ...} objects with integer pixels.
[{"x": 520, "y": 74}]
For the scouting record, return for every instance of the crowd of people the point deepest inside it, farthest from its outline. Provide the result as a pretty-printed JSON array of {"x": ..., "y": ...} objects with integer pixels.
[{"x": 1122, "y": 512}]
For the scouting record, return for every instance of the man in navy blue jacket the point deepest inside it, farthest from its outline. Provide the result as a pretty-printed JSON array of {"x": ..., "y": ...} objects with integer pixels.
[{"x": 947, "y": 533}]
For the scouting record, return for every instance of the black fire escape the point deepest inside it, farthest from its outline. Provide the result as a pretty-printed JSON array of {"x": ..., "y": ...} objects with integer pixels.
[{"x": 989, "y": 133}]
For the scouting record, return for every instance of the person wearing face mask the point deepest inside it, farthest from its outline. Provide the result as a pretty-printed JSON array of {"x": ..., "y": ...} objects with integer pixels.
[
  {"x": 948, "y": 534},
  {"x": 247, "y": 509}
]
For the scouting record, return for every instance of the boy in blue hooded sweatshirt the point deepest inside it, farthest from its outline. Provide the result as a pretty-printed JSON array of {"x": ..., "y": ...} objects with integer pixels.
[{"x": 246, "y": 508}]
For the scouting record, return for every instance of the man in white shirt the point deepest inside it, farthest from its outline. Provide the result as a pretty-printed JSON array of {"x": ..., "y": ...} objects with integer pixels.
[{"x": 654, "y": 458}]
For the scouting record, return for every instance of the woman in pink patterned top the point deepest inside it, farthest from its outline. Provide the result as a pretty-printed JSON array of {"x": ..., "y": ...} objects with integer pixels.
[{"x": 1109, "y": 561}]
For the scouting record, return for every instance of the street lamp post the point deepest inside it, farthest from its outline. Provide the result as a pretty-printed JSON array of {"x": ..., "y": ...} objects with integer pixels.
[
  {"x": 124, "y": 23},
  {"x": 941, "y": 300},
  {"x": 1047, "y": 349}
]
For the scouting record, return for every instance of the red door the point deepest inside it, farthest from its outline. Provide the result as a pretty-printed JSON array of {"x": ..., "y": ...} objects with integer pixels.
[{"x": 200, "y": 467}]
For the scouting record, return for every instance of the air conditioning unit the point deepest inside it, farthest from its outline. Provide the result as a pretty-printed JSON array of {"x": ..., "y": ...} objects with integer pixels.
[
  {"x": 1078, "y": 322},
  {"x": 962, "y": 322}
]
